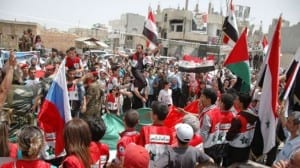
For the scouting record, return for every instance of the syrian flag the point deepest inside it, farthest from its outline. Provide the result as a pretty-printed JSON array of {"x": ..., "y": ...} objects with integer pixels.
[
  {"x": 150, "y": 31},
  {"x": 269, "y": 98},
  {"x": 291, "y": 92},
  {"x": 230, "y": 27},
  {"x": 238, "y": 62},
  {"x": 196, "y": 64}
]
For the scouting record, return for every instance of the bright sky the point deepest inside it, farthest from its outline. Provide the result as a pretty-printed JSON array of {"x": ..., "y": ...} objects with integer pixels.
[{"x": 64, "y": 14}]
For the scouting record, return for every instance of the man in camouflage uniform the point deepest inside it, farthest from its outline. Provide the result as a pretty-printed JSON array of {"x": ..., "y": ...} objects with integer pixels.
[{"x": 94, "y": 95}]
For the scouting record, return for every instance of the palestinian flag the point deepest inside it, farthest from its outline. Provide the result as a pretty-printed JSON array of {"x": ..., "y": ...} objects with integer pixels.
[
  {"x": 196, "y": 64},
  {"x": 238, "y": 62}
]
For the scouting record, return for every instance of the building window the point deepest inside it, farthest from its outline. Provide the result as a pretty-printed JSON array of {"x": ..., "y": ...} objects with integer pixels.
[
  {"x": 179, "y": 28},
  {"x": 176, "y": 25}
]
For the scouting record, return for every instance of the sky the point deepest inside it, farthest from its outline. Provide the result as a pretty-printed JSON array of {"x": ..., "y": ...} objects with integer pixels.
[{"x": 64, "y": 14}]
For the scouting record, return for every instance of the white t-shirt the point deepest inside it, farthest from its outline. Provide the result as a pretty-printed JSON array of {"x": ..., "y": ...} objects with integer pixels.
[{"x": 165, "y": 96}]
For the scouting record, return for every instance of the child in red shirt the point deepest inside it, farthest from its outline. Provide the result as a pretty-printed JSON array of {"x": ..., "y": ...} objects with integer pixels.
[
  {"x": 99, "y": 151},
  {"x": 30, "y": 141},
  {"x": 130, "y": 135}
]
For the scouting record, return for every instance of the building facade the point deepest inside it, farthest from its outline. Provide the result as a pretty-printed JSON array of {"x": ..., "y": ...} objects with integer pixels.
[
  {"x": 127, "y": 32},
  {"x": 12, "y": 31},
  {"x": 188, "y": 32}
]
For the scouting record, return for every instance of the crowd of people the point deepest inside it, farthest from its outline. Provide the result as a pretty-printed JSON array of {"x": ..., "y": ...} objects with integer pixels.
[{"x": 220, "y": 134}]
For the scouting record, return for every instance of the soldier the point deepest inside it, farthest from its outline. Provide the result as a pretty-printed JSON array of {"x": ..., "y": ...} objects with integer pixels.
[{"x": 93, "y": 95}]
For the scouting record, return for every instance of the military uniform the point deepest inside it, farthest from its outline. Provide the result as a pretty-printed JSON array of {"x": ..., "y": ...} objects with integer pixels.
[{"x": 93, "y": 95}]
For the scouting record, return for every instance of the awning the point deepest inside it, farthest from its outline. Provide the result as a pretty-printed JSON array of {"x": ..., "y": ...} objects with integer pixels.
[
  {"x": 102, "y": 44},
  {"x": 89, "y": 43}
]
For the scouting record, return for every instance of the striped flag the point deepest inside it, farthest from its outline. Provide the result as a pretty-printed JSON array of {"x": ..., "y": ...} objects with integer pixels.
[
  {"x": 269, "y": 98},
  {"x": 238, "y": 62},
  {"x": 54, "y": 113},
  {"x": 196, "y": 64},
  {"x": 230, "y": 27},
  {"x": 150, "y": 31},
  {"x": 291, "y": 92}
]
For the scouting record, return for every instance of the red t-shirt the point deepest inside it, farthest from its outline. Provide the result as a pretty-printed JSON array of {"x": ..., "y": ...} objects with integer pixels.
[
  {"x": 26, "y": 164},
  {"x": 127, "y": 137},
  {"x": 73, "y": 62},
  {"x": 72, "y": 161},
  {"x": 95, "y": 152},
  {"x": 104, "y": 153},
  {"x": 13, "y": 150},
  {"x": 99, "y": 154}
]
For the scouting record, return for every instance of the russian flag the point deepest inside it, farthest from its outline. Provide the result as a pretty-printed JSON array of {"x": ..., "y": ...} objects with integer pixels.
[{"x": 54, "y": 113}]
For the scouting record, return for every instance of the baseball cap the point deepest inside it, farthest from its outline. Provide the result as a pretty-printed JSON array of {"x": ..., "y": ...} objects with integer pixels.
[
  {"x": 136, "y": 156},
  {"x": 184, "y": 132},
  {"x": 22, "y": 66}
]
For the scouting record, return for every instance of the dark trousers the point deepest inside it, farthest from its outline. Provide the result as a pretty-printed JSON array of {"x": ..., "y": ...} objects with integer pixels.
[
  {"x": 176, "y": 97},
  {"x": 151, "y": 98},
  {"x": 137, "y": 103},
  {"x": 138, "y": 74},
  {"x": 236, "y": 155}
]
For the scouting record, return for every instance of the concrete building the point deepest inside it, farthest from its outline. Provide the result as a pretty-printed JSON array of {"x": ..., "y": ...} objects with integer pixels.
[
  {"x": 290, "y": 40},
  {"x": 99, "y": 32},
  {"x": 12, "y": 31},
  {"x": 127, "y": 32},
  {"x": 57, "y": 39},
  {"x": 188, "y": 32}
]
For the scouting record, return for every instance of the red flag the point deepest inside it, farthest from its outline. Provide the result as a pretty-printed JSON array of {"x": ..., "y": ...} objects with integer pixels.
[
  {"x": 269, "y": 97},
  {"x": 174, "y": 117}
]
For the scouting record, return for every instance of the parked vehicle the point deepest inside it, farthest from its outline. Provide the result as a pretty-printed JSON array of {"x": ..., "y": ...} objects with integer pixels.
[{"x": 96, "y": 53}]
